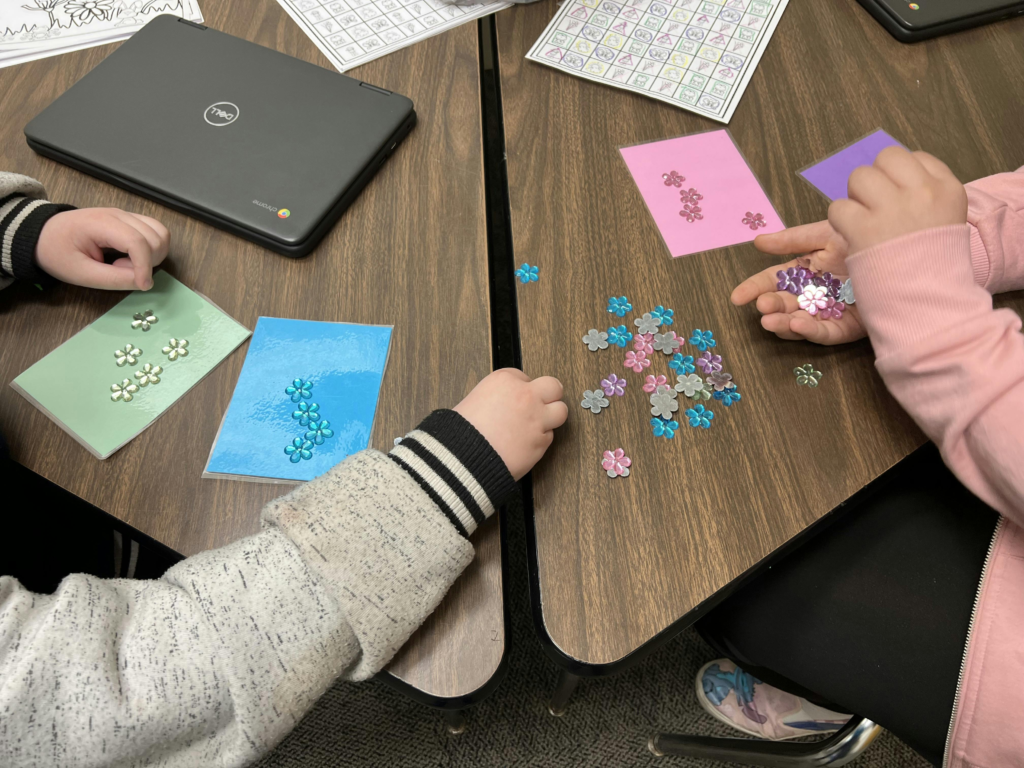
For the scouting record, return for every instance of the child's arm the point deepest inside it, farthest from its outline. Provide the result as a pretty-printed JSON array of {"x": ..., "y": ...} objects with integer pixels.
[
  {"x": 955, "y": 364},
  {"x": 996, "y": 214},
  {"x": 214, "y": 663},
  {"x": 39, "y": 239}
]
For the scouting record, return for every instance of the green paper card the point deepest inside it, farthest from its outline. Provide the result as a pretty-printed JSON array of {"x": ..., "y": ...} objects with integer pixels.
[{"x": 79, "y": 384}]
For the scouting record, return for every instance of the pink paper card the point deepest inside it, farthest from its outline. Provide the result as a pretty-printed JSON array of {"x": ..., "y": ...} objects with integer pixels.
[{"x": 701, "y": 192}]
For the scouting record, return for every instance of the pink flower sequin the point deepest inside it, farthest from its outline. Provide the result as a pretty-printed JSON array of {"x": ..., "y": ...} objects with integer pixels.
[
  {"x": 813, "y": 299},
  {"x": 642, "y": 343},
  {"x": 754, "y": 220},
  {"x": 691, "y": 196},
  {"x": 637, "y": 361},
  {"x": 833, "y": 310},
  {"x": 616, "y": 463},
  {"x": 673, "y": 179},
  {"x": 691, "y": 212},
  {"x": 653, "y": 382}
]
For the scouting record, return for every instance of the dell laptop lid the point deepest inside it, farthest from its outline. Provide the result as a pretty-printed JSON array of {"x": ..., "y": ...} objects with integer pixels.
[
  {"x": 910, "y": 21},
  {"x": 246, "y": 138}
]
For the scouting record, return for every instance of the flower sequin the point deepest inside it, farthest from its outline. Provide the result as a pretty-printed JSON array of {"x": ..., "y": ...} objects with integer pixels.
[
  {"x": 667, "y": 343},
  {"x": 613, "y": 386},
  {"x": 176, "y": 348},
  {"x": 594, "y": 400},
  {"x": 636, "y": 361},
  {"x": 150, "y": 374},
  {"x": 699, "y": 416},
  {"x": 130, "y": 354},
  {"x": 690, "y": 197},
  {"x": 813, "y": 299},
  {"x": 794, "y": 279},
  {"x": 702, "y": 340},
  {"x": 754, "y": 220},
  {"x": 299, "y": 389},
  {"x": 832, "y": 285},
  {"x": 299, "y": 449},
  {"x": 619, "y": 306},
  {"x": 306, "y": 413},
  {"x": 596, "y": 340},
  {"x": 691, "y": 212},
  {"x": 846, "y": 293},
  {"x": 667, "y": 316},
  {"x": 619, "y": 336},
  {"x": 664, "y": 428},
  {"x": 143, "y": 320},
  {"x": 833, "y": 310},
  {"x": 673, "y": 179},
  {"x": 681, "y": 363},
  {"x": 616, "y": 463},
  {"x": 663, "y": 402},
  {"x": 720, "y": 380},
  {"x": 123, "y": 391},
  {"x": 807, "y": 376},
  {"x": 709, "y": 362},
  {"x": 527, "y": 274},
  {"x": 319, "y": 431},
  {"x": 728, "y": 396},
  {"x": 647, "y": 324},
  {"x": 653, "y": 382},
  {"x": 689, "y": 384},
  {"x": 642, "y": 343}
]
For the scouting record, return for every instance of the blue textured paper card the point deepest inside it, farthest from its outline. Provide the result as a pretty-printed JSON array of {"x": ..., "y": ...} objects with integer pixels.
[{"x": 305, "y": 399}]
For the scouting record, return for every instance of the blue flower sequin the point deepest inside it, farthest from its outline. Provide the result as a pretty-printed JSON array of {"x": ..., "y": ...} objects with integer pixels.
[
  {"x": 299, "y": 449},
  {"x": 619, "y": 306},
  {"x": 703, "y": 340},
  {"x": 664, "y": 428},
  {"x": 682, "y": 364},
  {"x": 619, "y": 336},
  {"x": 667, "y": 316},
  {"x": 299, "y": 389},
  {"x": 527, "y": 274},
  {"x": 728, "y": 396},
  {"x": 306, "y": 413},
  {"x": 699, "y": 416},
  {"x": 319, "y": 431}
]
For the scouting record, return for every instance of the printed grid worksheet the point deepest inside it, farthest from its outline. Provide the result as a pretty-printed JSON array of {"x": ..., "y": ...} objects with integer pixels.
[
  {"x": 353, "y": 32},
  {"x": 695, "y": 54}
]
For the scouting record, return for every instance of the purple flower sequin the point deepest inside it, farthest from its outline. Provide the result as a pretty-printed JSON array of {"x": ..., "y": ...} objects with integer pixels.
[
  {"x": 832, "y": 285},
  {"x": 794, "y": 279},
  {"x": 613, "y": 385},
  {"x": 720, "y": 380},
  {"x": 833, "y": 310},
  {"x": 709, "y": 362}
]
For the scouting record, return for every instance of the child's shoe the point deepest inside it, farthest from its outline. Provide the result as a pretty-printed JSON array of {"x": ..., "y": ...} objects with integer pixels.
[{"x": 757, "y": 709}]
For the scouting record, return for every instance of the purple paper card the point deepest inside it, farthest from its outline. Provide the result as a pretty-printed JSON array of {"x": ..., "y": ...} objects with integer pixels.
[{"x": 831, "y": 174}]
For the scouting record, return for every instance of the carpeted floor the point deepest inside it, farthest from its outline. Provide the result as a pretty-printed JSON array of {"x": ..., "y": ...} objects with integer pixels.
[{"x": 607, "y": 724}]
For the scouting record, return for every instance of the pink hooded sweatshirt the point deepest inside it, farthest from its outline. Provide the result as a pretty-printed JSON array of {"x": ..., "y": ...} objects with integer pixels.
[{"x": 957, "y": 366}]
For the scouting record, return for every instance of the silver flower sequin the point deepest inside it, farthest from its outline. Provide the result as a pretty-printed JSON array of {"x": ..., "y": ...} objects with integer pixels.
[
  {"x": 130, "y": 354},
  {"x": 846, "y": 293},
  {"x": 647, "y": 323},
  {"x": 689, "y": 384},
  {"x": 150, "y": 374},
  {"x": 123, "y": 391},
  {"x": 663, "y": 403},
  {"x": 666, "y": 342},
  {"x": 596, "y": 340},
  {"x": 176, "y": 348},
  {"x": 595, "y": 400},
  {"x": 143, "y": 320}
]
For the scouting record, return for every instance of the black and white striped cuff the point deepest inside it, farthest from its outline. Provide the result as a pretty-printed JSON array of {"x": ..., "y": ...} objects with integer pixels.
[
  {"x": 456, "y": 467},
  {"x": 21, "y": 222}
]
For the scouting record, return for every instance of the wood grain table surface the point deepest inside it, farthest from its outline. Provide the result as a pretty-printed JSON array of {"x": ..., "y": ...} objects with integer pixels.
[
  {"x": 620, "y": 561},
  {"x": 411, "y": 251}
]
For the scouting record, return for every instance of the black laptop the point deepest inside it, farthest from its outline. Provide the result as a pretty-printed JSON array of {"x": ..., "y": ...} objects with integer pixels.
[
  {"x": 910, "y": 21},
  {"x": 245, "y": 138}
]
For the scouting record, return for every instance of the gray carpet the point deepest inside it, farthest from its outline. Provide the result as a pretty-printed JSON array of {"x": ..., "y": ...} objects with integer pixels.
[{"x": 607, "y": 724}]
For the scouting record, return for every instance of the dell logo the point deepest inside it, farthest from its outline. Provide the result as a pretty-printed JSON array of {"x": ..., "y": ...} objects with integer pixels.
[{"x": 220, "y": 114}]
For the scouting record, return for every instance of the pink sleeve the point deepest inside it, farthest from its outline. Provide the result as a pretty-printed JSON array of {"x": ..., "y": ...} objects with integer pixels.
[
  {"x": 953, "y": 362},
  {"x": 996, "y": 216}
]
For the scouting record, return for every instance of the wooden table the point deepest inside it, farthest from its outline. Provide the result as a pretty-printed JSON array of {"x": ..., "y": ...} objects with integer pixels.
[
  {"x": 411, "y": 251},
  {"x": 618, "y": 565}
]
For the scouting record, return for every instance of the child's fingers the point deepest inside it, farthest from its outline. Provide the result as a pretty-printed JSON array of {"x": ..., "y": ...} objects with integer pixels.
[
  {"x": 779, "y": 324},
  {"x": 756, "y": 285},
  {"x": 515, "y": 373},
  {"x": 156, "y": 243},
  {"x": 843, "y": 215},
  {"x": 868, "y": 185},
  {"x": 827, "y": 332},
  {"x": 158, "y": 226},
  {"x": 116, "y": 234},
  {"x": 780, "y": 301},
  {"x": 802, "y": 239},
  {"x": 554, "y": 415},
  {"x": 901, "y": 167},
  {"x": 549, "y": 388},
  {"x": 935, "y": 167},
  {"x": 88, "y": 273}
]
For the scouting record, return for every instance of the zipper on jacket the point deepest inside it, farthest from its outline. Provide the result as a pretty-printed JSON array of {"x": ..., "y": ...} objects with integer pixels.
[{"x": 967, "y": 643}]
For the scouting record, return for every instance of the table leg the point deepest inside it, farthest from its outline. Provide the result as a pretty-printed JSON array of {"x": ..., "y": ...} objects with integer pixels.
[
  {"x": 455, "y": 719},
  {"x": 564, "y": 688}
]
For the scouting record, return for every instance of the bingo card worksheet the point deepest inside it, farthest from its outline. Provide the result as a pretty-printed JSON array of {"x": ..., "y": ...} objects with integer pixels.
[
  {"x": 353, "y": 32},
  {"x": 695, "y": 54}
]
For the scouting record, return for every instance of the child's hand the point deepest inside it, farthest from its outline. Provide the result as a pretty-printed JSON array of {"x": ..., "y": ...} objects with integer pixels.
[
  {"x": 516, "y": 415},
  {"x": 901, "y": 193},
  {"x": 825, "y": 251},
  {"x": 71, "y": 245}
]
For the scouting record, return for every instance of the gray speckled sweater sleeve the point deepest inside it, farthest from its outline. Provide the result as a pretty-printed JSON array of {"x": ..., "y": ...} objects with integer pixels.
[{"x": 214, "y": 663}]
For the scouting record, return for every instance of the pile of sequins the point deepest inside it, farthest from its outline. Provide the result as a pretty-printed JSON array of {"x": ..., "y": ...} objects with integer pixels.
[
  {"x": 652, "y": 335},
  {"x": 126, "y": 390},
  {"x": 818, "y": 293},
  {"x": 318, "y": 428}
]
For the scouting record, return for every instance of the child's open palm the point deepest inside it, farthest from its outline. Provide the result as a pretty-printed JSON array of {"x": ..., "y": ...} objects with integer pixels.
[{"x": 824, "y": 250}]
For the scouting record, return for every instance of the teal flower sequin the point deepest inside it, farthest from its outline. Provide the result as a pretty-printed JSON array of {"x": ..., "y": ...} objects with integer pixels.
[
  {"x": 665, "y": 428},
  {"x": 306, "y": 413},
  {"x": 319, "y": 431},
  {"x": 299, "y": 449},
  {"x": 527, "y": 274},
  {"x": 299, "y": 389}
]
